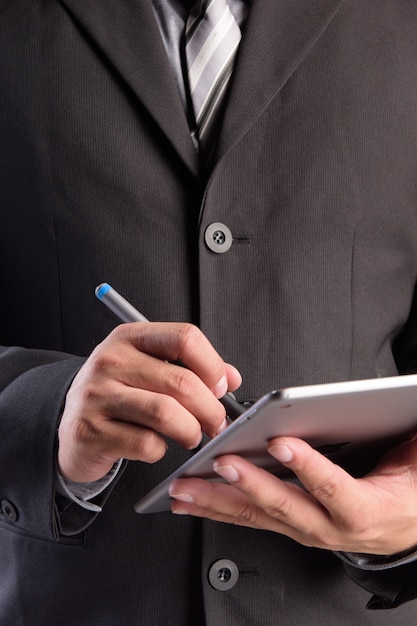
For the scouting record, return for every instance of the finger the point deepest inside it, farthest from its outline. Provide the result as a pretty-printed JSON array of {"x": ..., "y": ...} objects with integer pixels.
[
  {"x": 180, "y": 342},
  {"x": 290, "y": 509},
  {"x": 265, "y": 502},
  {"x": 234, "y": 377},
  {"x": 374, "y": 514},
  {"x": 157, "y": 411},
  {"x": 187, "y": 389},
  {"x": 253, "y": 498},
  {"x": 98, "y": 447},
  {"x": 138, "y": 370},
  {"x": 340, "y": 493},
  {"x": 215, "y": 501}
]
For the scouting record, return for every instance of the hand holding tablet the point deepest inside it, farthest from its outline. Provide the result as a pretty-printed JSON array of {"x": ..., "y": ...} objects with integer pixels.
[{"x": 353, "y": 423}]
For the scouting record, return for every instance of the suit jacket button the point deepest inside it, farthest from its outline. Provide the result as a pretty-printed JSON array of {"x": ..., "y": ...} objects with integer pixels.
[
  {"x": 223, "y": 575},
  {"x": 9, "y": 510},
  {"x": 218, "y": 237}
]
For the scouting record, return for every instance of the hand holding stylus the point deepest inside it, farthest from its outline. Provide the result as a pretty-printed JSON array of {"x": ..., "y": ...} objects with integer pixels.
[
  {"x": 127, "y": 313},
  {"x": 131, "y": 394}
]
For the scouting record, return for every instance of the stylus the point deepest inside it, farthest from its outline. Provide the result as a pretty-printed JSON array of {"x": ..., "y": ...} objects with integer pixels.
[{"x": 127, "y": 313}]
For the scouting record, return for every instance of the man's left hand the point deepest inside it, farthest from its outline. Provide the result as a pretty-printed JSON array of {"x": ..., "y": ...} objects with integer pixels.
[{"x": 376, "y": 514}]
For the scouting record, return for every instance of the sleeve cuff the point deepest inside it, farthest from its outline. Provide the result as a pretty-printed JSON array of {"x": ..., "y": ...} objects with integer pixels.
[
  {"x": 376, "y": 562},
  {"x": 82, "y": 493}
]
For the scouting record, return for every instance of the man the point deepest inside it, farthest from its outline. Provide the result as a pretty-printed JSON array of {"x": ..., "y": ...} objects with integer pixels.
[{"x": 293, "y": 247}]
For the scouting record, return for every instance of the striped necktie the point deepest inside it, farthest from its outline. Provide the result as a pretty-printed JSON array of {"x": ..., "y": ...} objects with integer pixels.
[{"x": 212, "y": 37}]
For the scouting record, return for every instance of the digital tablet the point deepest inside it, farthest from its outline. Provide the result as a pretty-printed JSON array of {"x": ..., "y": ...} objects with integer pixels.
[{"x": 353, "y": 423}]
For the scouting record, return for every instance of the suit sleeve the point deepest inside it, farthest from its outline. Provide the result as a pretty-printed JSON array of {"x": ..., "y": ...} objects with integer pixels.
[
  {"x": 391, "y": 584},
  {"x": 392, "y": 580},
  {"x": 33, "y": 385}
]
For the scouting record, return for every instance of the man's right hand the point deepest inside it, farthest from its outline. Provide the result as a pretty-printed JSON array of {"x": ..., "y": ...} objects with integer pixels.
[{"x": 129, "y": 396}]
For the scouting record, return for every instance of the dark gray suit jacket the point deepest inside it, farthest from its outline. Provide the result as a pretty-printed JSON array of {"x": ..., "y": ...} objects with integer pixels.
[{"x": 315, "y": 176}]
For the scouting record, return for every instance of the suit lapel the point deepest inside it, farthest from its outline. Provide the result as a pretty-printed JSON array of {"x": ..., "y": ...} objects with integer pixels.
[
  {"x": 278, "y": 35},
  {"x": 128, "y": 34}
]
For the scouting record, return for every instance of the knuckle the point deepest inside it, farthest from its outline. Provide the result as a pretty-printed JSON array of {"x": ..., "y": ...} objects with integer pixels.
[
  {"x": 324, "y": 489},
  {"x": 247, "y": 514},
  {"x": 150, "y": 447},
  {"x": 327, "y": 540},
  {"x": 164, "y": 418},
  {"x": 104, "y": 361},
  {"x": 357, "y": 524},
  {"x": 90, "y": 393},
  {"x": 161, "y": 409},
  {"x": 120, "y": 332},
  {"x": 279, "y": 509},
  {"x": 188, "y": 336},
  {"x": 86, "y": 430},
  {"x": 181, "y": 382},
  {"x": 92, "y": 396}
]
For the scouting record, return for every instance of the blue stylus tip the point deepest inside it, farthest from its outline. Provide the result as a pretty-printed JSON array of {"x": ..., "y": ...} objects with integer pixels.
[{"x": 101, "y": 290}]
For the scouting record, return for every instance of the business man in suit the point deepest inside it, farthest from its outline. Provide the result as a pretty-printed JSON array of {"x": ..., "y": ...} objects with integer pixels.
[{"x": 312, "y": 187}]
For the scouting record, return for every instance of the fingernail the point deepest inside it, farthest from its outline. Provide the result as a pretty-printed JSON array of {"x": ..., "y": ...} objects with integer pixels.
[
  {"x": 221, "y": 388},
  {"x": 181, "y": 497},
  {"x": 179, "y": 512},
  {"x": 197, "y": 441},
  {"x": 222, "y": 427},
  {"x": 283, "y": 454},
  {"x": 228, "y": 472},
  {"x": 238, "y": 374}
]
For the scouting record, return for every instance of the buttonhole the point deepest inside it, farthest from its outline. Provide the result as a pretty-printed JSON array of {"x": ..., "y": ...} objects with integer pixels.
[
  {"x": 249, "y": 571},
  {"x": 241, "y": 240}
]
